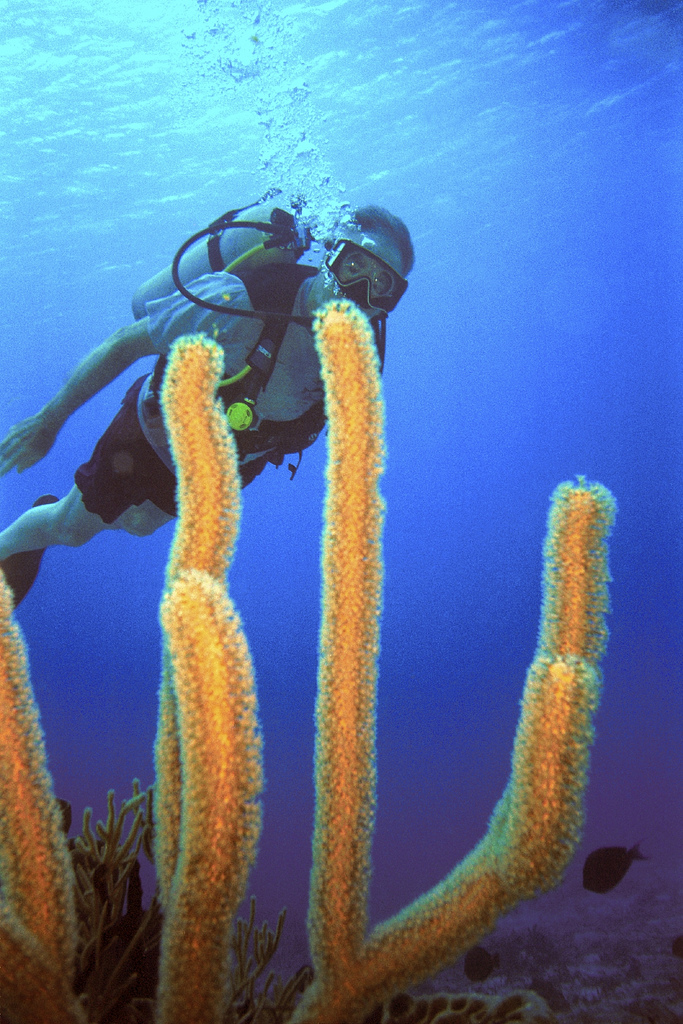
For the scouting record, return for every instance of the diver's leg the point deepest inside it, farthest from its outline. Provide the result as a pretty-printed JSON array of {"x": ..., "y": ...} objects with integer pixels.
[
  {"x": 69, "y": 522},
  {"x": 140, "y": 520},
  {"x": 64, "y": 522},
  {"x": 49, "y": 522}
]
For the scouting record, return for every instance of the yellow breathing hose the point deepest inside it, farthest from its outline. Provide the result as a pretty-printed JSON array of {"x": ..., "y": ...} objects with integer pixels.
[
  {"x": 240, "y": 414},
  {"x": 228, "y": 270}
]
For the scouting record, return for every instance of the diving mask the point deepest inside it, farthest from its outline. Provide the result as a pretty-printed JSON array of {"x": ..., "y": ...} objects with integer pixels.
[{"x": 364, "y": 277}]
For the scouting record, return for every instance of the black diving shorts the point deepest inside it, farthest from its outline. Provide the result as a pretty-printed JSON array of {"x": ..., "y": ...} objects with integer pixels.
[{"x": 124, "y": 469}]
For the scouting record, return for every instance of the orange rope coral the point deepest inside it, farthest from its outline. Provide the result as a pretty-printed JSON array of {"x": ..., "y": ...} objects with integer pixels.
[
  {"x": 575, "y": 552},
  {"x": 37, "y": 914},
  {"x": 208, "y": 499},
  {"x": 208, "y": 751},
  {"x": 536, "y": 824},
  {"x": 208, "y": 745},
  {"x": 349, "y": 643},
  {"x": 205, "y": 457}
]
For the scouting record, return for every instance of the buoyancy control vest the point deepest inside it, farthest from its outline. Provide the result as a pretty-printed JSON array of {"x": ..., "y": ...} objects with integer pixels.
[
  {"x": 272, "y": 285},
  {"x": 272, "y": 289}
]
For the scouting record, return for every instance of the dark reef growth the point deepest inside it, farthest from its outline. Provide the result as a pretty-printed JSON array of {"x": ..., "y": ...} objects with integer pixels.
[
  {"x": 117, "y": 952},
  {"x": 118, "y": 940}
]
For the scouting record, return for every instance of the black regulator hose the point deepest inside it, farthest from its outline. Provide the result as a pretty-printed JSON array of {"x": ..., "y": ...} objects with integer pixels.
[{"x": 280, "y": 236}]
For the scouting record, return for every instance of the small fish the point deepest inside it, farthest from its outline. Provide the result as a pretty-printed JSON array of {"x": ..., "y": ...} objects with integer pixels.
[
  {"x": 677, "y": 946},
  {"x": 605, "y": 868},
  {"x": 479, "y": 963}
]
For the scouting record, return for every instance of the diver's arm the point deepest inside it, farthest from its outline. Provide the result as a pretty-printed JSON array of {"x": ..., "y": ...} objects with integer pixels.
[
  {"x": 30, "y": 440},
  {"x": 99, "y": 368}
]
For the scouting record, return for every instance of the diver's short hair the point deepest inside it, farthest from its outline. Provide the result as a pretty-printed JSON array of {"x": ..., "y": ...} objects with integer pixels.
[{"x": 375, "y": 219}]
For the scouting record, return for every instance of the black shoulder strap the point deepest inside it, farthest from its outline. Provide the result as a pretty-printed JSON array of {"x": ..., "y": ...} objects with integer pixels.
[
  {"x": 273, "y": 287},
  {"x": 213, "y": 251}
]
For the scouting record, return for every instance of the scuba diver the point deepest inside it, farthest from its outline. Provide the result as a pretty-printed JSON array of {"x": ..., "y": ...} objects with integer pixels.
[{"x": 245, "y": 288}]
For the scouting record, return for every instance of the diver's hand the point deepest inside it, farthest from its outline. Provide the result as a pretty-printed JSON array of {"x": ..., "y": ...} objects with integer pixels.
[{"x": 28, "y": 442}]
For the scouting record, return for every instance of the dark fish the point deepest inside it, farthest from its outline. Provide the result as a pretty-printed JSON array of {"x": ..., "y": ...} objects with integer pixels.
[
  {"x": 479, "y": 963},
  {"x": 605, "y": 868},
  {"x": 677, "y": 946}
]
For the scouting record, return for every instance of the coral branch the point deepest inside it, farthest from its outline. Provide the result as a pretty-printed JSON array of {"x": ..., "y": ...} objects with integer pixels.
[
  {"x": 208, "y": 748},
  {"x": 32, "y": 988},
  {"x": 349, "y": 644},
  {"x": 575, "y": 581},
  {"x": 206, "y": 532},
  {"x": 205, "y": 457},
  {"x": 38, "y": 923},
  {"x": 536, "y": 825}
]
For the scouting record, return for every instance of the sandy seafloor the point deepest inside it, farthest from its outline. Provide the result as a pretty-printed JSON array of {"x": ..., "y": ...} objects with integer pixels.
[{"x": 595, "y": 959}]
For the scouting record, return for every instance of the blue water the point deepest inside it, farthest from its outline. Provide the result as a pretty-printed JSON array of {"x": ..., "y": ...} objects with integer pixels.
[{"x": 534, "y": 150}]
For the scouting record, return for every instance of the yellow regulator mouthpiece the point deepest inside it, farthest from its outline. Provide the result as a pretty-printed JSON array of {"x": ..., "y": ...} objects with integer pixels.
[{"x": 240, "y": 416}]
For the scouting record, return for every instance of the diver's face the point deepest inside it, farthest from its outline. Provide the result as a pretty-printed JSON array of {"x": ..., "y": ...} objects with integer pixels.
[
  {"x": 355, "y": 264},
  {"x": 364, "y": 273}
]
